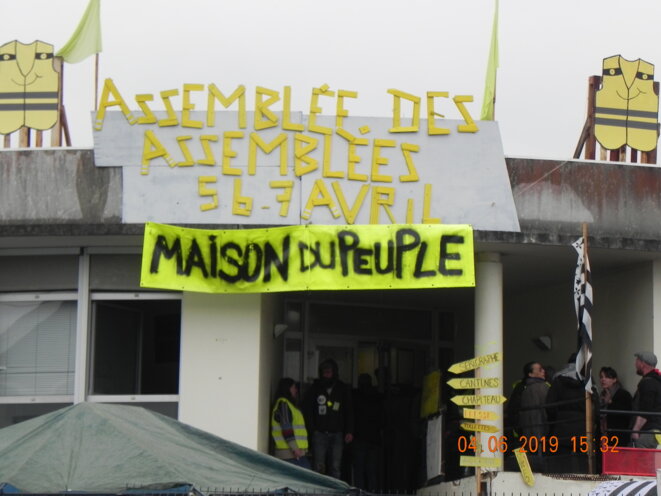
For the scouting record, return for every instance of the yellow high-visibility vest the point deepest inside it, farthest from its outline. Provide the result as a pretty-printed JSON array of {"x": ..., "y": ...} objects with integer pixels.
[
  {"x": 627, "y": 108},
  {"x": 298, "y": 424},
  {"x": 29, "y": 86}
]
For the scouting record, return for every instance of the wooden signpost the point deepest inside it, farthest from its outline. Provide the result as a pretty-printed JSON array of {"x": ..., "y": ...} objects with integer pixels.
[{"x": 477, "y": 383}]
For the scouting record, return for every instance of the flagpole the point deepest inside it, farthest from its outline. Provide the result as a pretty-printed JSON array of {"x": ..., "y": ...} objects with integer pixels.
[
  {"x": 586, "y": 371},
  {"x": 96, "y": 82}
]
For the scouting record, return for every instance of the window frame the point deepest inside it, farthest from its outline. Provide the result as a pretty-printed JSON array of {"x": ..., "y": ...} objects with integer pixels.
[
  {"x": 28, "y": 297},
  {"x": 123, "y": 398}
]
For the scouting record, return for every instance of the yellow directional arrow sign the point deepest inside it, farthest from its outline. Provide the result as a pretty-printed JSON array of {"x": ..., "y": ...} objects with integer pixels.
[
  {"x": 469, "y": 426},
  {"x": 479, "y": 461},
  {"x": 480, "y": 414},
  {"x": 524, "y": 466},
  {"x": 476, "y": 362},
  {"x": 474, "y": 383},
  {"x": 485, "y": 399}
]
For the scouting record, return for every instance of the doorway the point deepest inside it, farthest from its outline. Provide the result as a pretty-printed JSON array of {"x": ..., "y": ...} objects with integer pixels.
[{"x": 396, "y": 347}]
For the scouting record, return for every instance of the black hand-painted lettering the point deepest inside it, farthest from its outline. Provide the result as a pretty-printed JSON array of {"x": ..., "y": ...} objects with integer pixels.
[
  {"x": 317, "y": 252},
  {"x": 345, "y": 247},
  {"x": 246, "y": 275},
  {"x": 161, "y": 248},
  {"x": 361, "y": 261},
  {"x": 271, "y": 258},
  {"x": 302, "y": 247},
  {"x": 213, "y": 256},
  {"x": 419, "y": 262},
  {"x": 195, "y": 259},
  {"x": 234, "y": 262},
  {"x": 445, "y": 255},
  {"x": 377, "y": 258},
  {"x": 401, "y": 247}
]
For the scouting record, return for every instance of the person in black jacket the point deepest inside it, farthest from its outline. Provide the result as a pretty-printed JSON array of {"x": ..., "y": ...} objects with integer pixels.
[
  {"x": 329, "y": 417},
  {"x": 647, "y": 399},
  {"x": 368, "y": 430},
  {"x": 566, "y": 415},
  {"x": 614, "y": 397}
]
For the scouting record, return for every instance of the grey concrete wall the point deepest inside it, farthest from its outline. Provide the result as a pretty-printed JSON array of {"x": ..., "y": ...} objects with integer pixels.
[
  {"x": 59, "y": 186},
  {"x": 620, "y": 202},
  {"x": 615, "y": 199}
]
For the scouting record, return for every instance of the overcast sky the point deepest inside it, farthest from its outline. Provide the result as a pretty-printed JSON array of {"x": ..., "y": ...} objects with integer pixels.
[{"x": 547, "y": 52}]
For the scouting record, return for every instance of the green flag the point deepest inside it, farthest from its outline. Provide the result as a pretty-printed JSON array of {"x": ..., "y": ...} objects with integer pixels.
[
  {"x": 489, "y": 100},
  {"x": 86, "y": 39}
]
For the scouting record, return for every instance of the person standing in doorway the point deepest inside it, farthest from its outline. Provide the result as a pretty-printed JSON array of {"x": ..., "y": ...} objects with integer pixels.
[
  {"x": 288, "y": 425},
  {"x": 329, "y": 416},
  {"x": 366, "y": 446}
]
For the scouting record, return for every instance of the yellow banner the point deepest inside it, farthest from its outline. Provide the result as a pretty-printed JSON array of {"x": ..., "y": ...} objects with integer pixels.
[{"x": 308, "y": 257}]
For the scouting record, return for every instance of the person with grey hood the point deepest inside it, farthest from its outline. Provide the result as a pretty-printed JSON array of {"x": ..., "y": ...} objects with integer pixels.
[
  {"x": 646, "y": 399},
  {"x": 329, "y": 418}
]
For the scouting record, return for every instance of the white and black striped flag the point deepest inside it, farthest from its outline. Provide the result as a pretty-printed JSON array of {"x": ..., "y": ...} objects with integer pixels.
[{"x": 583, "y": 306}]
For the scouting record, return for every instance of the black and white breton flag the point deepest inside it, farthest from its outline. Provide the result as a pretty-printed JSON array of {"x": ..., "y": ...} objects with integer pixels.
[
  {"x": 625, "y": 488},
  {"x": 583, "y": 306}
]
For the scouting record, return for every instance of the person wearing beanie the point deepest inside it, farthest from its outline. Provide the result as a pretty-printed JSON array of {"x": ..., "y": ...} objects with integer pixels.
[
  {"x": 329, "y": 417},
  {"x": 646, "y": 399}
]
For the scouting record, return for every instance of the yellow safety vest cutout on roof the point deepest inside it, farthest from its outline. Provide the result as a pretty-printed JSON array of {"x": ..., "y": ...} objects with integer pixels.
[
  {"x": 28, "y": 86},
  {"x": 627, "y": 108}
]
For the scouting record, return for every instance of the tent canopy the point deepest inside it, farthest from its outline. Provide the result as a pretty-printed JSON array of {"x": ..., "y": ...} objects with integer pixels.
[{"x": 106, "y": 448}]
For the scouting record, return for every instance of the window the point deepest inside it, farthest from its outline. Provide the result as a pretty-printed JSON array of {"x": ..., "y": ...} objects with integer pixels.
[
  {"x": 135, "y": 349},
  {"x": 37, "y": 346}
]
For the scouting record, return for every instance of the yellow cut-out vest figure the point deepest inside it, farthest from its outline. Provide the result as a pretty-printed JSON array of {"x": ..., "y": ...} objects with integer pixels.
[
  {"x": 28, "y": 86},
  {"x": 627, "y": 108}
]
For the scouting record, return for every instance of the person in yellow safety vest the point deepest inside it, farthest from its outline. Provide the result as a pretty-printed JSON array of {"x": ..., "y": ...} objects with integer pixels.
[{"x": 288, "y": 425}]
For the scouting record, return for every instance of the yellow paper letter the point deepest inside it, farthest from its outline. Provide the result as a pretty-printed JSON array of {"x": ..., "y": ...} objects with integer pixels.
[
  {"x": 256, "y": 141},
  {"x": 470, "y": 126},
  {"x": 241, "y": 205},
  {"x": 397, "y": 112},
  {"x": 215, "y": 94},
  {"x": 109, "y": 88},
  {"x": 412, "y": 176},
  {"x": 187, "y": 106},
  {"x": 202, "y": 190},
  {"x": 319, "y": 197},
  {"x": 148, "y": 116},
  {"x": 432, "y": 130},
  {"x": 301, "y": 154},
  {"x": 384, "y": 197},
  {"x": 264, "y": 117},
  {"x": 316, "y": 109},
  {"x": 152, "y": 148},
  {"x": 228, "y": 153},
  {"x": 378, "y": 160},
  {"x": 285, "y": 197}
]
